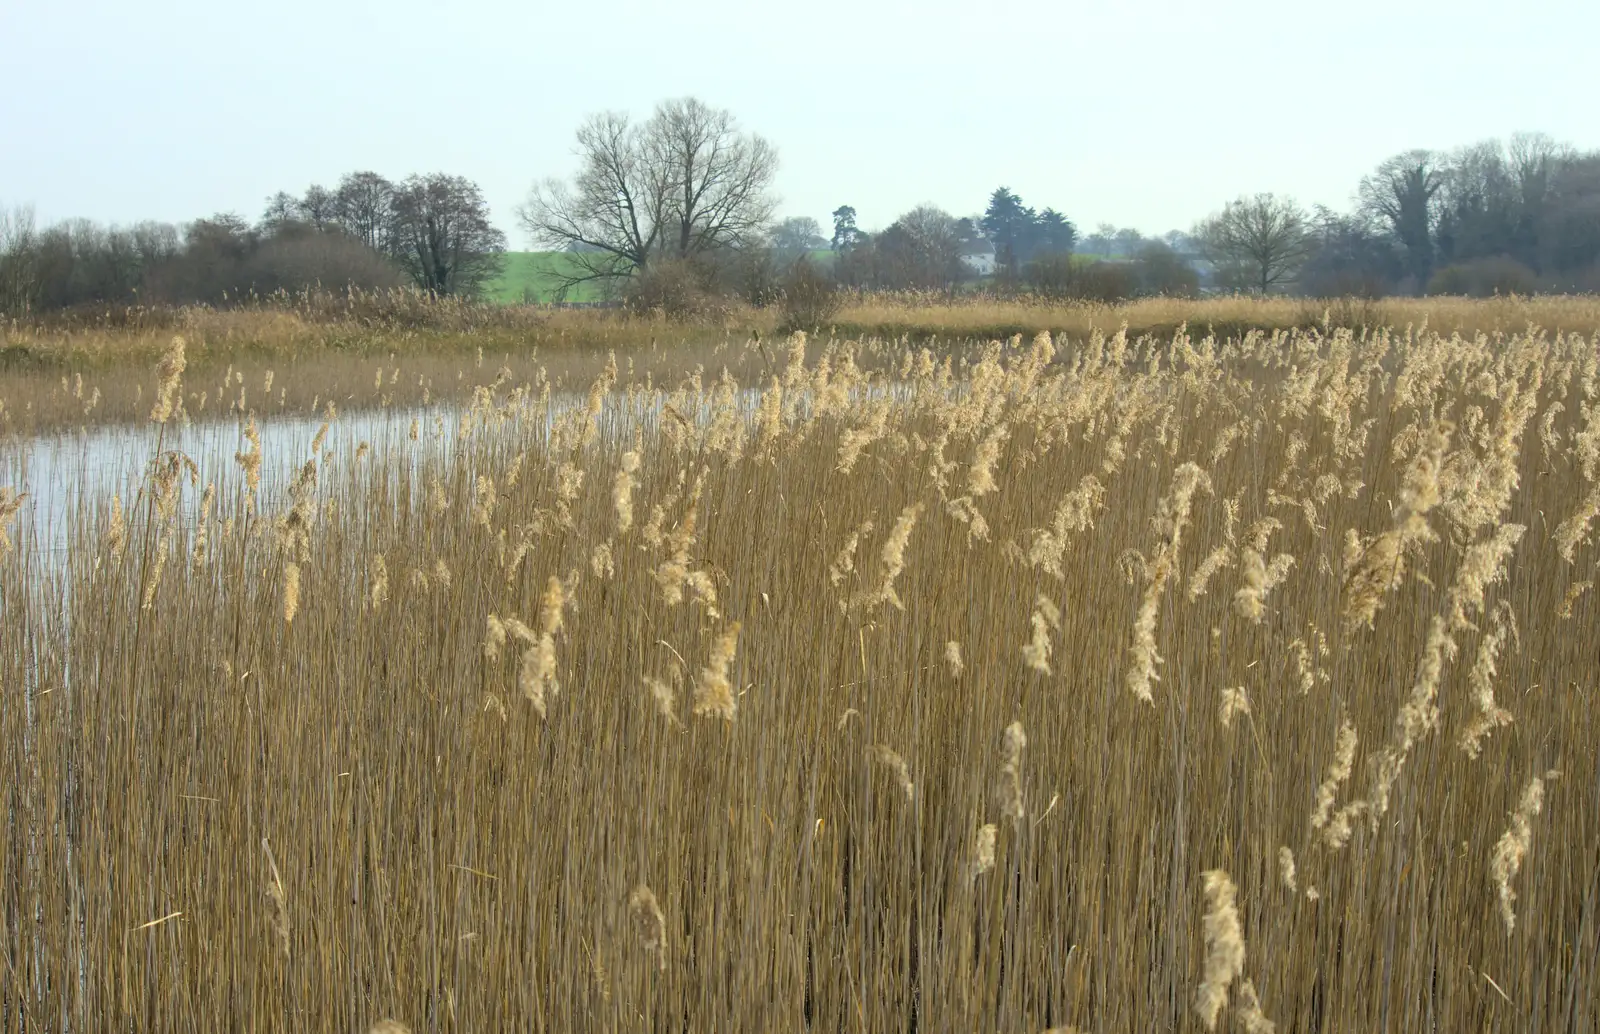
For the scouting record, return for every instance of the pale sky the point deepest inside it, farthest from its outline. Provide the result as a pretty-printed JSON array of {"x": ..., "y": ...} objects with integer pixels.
[{"x": 1147, "y": 113}]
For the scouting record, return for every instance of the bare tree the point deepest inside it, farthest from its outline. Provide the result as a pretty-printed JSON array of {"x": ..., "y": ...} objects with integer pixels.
[
  {"x": 282, "y": 209},
  {"x": 442, "y": 236},
  {"x": 921, "y": 249},
  {"x": 19, "y": 281},
  {"x": 797, "y": 235},
  {"x": 1401, "y": 196},
  {"x": 363, "y": 204},
  {"x": 682, "y": 185},
  {"x": 155, "y": 242},
  {"x": 1264, "y": 237},
  {"x": 317, "y": 207}
]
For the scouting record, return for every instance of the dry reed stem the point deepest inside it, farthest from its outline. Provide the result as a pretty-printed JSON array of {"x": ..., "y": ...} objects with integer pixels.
[
  {"x": 1234, "y": 702},
  {"x": 713, "y": 693},
  {"x": 170, "y": 371},
  {"x": 1490, "y": 714},
  {"x": 983, "y": 849},
  {"x": 1339, "y": 769},
  {"x": 1512, "y": 848},
  {"x": 1376, "y": 569},
  {"x": 1171, "y": 517},
  {"x": 1251, "y": 1018},
  {"x": 1574, "y": 593},
  {"x": 1036, "y": 652},
  {"x": 891, "y": 561},
  {"x": 649, "y": 924},
  {"x": 1286, "y": 870},
  {"x": 1010, "y": 789},
  {"x": 537, "y": 673},
  {"x": 952, "y": 659},
  {"x": 10, "y": 503},
  {"x": 281, "y": 926},
  {"x": 888, "y": 758}
]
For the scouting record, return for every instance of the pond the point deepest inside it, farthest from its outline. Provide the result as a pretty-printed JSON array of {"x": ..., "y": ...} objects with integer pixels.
[{"x": 69, "y": 476}]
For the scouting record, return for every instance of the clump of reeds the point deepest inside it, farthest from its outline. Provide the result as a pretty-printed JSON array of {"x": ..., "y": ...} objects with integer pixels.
[
  {"x": 1376, "y": 568},
  {"x": 202, "y": 533},
  {"x": 1575, "y": 591},
  {"x": 1074, "y": 515},
  {"x": 1287, "y": 871},
  {"x": 1216, "y": 560},
  {"x": 390, "y": 729},
  {"x": 378, "y": 594},
  {"x": 116, "y": 536}
]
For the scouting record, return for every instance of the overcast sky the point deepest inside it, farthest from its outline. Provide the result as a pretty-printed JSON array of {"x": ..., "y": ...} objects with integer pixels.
[{"x": 1142, "y": 113}]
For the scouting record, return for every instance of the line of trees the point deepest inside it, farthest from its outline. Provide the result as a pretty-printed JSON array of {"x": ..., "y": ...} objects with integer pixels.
[
  {"x": 1509, "y": 217},
  {"x": 431, "y": 232},
  {"x": 681, "y": 204}
]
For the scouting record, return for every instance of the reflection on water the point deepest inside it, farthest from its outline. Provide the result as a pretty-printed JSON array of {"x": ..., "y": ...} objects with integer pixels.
[{"x": 73, "y": 475}]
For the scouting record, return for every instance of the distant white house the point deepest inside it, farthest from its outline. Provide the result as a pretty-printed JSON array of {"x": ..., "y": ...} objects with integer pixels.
[{"x": 978, "y": 256}]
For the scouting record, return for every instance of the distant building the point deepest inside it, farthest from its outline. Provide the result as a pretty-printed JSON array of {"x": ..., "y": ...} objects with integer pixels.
[{"x": 978, "y": 256}]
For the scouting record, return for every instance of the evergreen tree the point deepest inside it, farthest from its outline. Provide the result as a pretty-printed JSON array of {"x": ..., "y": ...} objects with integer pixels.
[
  {"x": 1010, "y": 225},
  {"x": 1054, "y": 233},
  {"x": 845, "y": 233}
]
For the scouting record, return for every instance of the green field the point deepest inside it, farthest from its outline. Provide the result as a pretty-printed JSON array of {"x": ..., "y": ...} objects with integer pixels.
[{"x": 526, "y": 277}]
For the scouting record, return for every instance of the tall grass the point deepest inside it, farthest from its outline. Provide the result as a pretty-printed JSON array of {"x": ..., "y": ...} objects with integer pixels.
[{"x": 887, "y": 703}]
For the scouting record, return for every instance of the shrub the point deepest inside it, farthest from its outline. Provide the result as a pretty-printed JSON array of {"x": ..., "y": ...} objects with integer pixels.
[
  {"x": 676, "y": 289},
  {"x": 1162, "y": 272},
  {"x": 1484, "y": 278},
  {"x": 810, "y": 298},
  {"x": 1350, "y": 312},
  {"x": 1061, "y": 277},
  {"x": 332, "y": 261},
  {"x": 752, "y": 275}
]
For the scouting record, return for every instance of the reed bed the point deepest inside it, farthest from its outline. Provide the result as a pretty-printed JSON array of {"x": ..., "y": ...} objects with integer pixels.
[
  {"x": 1117, "y": 684},
  {"x": 925, "y": 316}
]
